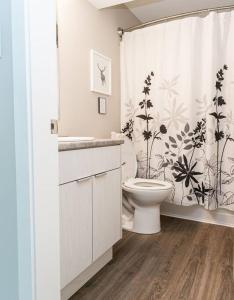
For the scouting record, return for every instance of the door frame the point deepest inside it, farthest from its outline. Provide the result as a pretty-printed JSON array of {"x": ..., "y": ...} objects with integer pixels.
[{"x": 35, "y": 76}]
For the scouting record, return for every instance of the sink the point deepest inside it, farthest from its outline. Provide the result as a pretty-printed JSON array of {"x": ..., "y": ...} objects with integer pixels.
[{"x": 71, "y": 139}]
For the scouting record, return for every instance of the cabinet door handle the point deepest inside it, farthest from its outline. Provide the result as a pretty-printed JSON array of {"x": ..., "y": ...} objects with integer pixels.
[
  {"x": 101, "y": 174},
  {"x": 83, "y": 179}
]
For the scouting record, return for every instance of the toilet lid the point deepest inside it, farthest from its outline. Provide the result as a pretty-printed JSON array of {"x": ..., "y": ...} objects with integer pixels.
[{"x": 129, "y": 161}]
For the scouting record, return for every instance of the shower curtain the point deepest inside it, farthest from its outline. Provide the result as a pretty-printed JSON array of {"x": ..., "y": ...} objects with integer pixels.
[{"x": 178, "y": 106}]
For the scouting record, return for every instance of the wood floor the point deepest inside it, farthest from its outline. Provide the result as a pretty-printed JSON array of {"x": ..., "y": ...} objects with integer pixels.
[{"x": 187, "y": 260}]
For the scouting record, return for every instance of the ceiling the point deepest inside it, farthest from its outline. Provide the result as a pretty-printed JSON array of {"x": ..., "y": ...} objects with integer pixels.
[
  {"x": 148, "y": 10},
  {"x": 107, "y": 3}
]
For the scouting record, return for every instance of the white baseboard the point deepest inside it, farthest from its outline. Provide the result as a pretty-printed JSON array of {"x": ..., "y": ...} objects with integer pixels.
[
  {"x": 197, "y": 213},
  {"x": 80, "y": 280}
]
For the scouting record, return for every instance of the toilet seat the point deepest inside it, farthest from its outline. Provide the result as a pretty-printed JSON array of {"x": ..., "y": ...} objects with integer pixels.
[{"x": 147, "y": 184}]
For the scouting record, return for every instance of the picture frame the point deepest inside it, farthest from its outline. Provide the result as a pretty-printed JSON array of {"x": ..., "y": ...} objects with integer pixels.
[
  {"x": 100, "y": 73},
  {"x": 102, "y": 106}
]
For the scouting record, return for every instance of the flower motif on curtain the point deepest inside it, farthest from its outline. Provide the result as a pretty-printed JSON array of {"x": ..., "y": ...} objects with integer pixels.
[
  {"x": 203, "y": 106},
  {"x": 199, "y": 175},
  {"x": 176, "y": 115},
  {"x": 169, "y": 86}
]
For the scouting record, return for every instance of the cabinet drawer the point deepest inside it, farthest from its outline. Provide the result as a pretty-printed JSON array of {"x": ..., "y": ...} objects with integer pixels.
[{"x": 82, "y": 163}]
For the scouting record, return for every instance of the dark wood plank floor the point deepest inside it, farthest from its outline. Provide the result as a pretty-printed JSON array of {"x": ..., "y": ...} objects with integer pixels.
[{"x": 187, "y": 260}]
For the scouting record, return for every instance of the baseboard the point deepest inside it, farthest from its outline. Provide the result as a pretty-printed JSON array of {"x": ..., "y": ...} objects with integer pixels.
[
  {"x": 80, "y": 280},
  {"x": 197, "y": 213}
]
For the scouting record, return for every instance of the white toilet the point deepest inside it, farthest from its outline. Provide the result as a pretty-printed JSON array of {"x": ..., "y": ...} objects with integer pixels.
[{"x": 141, "y": 197}]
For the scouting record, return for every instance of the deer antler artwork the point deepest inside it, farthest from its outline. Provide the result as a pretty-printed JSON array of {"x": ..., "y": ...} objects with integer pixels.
[{"x": 103, "y": 76}]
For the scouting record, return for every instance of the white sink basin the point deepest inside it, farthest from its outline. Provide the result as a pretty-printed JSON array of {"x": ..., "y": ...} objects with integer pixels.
[{"x": 71, "y": 139}]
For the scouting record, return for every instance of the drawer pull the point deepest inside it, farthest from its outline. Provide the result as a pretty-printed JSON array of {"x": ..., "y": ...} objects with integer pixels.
[
  {"x": 101, "y": 174},
  {"x": 83, "y": 179}
]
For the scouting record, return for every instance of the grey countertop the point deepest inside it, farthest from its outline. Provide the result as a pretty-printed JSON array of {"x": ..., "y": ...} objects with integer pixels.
[{"x": 67, "y": 146}]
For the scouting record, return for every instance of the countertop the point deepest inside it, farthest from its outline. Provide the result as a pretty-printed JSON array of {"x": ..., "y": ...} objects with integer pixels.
[{"x": 67, "y": 146}]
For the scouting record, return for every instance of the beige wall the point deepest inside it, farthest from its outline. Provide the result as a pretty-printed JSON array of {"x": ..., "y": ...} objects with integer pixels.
[{"x": 81, "y": 28}]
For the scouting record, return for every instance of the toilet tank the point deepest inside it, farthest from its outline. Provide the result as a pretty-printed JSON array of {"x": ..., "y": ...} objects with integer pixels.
[{"x": 129, "y": 160}]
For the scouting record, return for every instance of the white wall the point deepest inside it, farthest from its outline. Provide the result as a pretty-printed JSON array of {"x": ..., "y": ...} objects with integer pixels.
[
  {"x": 24, "y": 207},
  {"x": 81, "y": 28},
  {"x": 8, "y": 204},
  {"x": 197, "y": 213},
  {"x": 148, "y": 10}
]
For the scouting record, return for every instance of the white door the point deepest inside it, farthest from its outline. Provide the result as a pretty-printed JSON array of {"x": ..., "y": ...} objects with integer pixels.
[
  {"x": 36, "y": 103},
  {"x": 106, "y": 211},
  {"x": 75, "y": 228},
  {"x": 44, "y": 104}
]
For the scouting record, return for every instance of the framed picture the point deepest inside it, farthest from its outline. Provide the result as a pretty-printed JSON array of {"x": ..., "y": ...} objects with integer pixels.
[
  {"x": 100, "y": 73},
  {"x": 102, "y": 105}
]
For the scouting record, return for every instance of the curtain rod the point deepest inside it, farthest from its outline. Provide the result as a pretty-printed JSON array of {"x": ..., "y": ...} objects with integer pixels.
[{"x": 121, "y": 31}]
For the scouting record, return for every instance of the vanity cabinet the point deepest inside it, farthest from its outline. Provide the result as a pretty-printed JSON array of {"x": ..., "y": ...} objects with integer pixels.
[{"x": 90, "y": 210}]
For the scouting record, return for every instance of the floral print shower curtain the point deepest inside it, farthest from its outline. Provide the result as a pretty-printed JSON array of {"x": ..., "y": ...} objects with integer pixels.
[{"x": 178, "y": 106}]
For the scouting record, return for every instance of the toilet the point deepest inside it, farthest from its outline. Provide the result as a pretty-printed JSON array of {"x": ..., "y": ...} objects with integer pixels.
[{"x": 141, "y": 197}]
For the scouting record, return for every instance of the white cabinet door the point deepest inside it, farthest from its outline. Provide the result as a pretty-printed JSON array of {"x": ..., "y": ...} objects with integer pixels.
[
  {"x": 75, "y": 228},
  {"x": 106, "y": 211}
]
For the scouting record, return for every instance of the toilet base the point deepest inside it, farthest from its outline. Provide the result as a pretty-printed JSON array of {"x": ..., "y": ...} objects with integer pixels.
[{"x": 145, "y": 221}]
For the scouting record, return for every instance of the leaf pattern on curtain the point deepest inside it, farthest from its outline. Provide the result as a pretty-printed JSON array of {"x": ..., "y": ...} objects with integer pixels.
[{"x": 197, "y": 175}]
